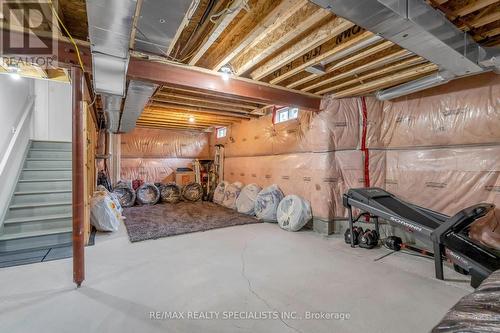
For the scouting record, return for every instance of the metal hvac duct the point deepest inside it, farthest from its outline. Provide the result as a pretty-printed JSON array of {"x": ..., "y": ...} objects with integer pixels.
[
  {"x": 110, "y": 25},
  {"x": 429, "y": 81},
  {"x": 111, "y": 105},
  {"x": 419, "y": 28},
  {"x": 138, "y": 95},
  {"x": 160, "y": 21}
]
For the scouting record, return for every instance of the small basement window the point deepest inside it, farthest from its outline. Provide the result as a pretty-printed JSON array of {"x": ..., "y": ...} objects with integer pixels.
[
  {"x": 221, "y": 132},
  {"x": 286, "y": 114}
]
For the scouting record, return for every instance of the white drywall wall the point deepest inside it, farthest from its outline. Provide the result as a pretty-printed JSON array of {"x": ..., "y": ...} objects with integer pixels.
[
  {"x": 52, "y": 118},
  {"x": 14, "y": 95}
]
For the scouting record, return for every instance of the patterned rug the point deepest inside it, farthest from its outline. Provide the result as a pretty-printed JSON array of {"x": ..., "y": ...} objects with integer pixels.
[{"x": 163, "y": 220}]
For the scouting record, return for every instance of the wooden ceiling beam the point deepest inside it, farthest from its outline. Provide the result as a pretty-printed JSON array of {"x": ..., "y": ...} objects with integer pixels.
[
  {"x": 387, "y": 81},
  {"x": 221, "y": 24},
  {"x": 204, "y": 100},
  {"x": 472, "y": 7},
  {"x": 196, "y": 110},
  {"x": 211, "y": 94},
  {"x": 185, "y": 113},
  {"x": 311, "y": 41},
  {"x": 181, "y": 75},
  {"x": 383, "y": 71},
  {"x": 354, "y": 70},
  {"x": 185, "y": 121},
  {"x": 183, "y": 106},
  {"x": 184, "y": 116},
  {"x": 484, "y": 20},
  {"x": 302, "y": 16},
  {"x": 186, "y": 124},
  {"x": 206, "y": 106},
  {"x": 342, "y": 42},
  {"x": 261, "y": 16},
  {"x": 172, "y": 127}
]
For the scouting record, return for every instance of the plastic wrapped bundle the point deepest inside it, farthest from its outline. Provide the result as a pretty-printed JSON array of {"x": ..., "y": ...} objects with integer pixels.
[
  {"x": 192, "y": 192},
  {"x": 148, "y": 194},
  {"x": 170, "y": 193},
  {"x": 476, "y": 312},
  {"x": 245, "y": 203},
  {"x": 293, "y": 213},
  {"x": 104, "y": 215},
  {"x": 219, "y": 192},
  {"x": 267, "y": 203},
  {"x": 125, "y": 194},
  {"x": 231, "y": 194}
]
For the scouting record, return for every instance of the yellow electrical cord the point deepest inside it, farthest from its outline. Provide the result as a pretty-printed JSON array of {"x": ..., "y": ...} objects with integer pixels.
[{"x": 69, "y": 35}]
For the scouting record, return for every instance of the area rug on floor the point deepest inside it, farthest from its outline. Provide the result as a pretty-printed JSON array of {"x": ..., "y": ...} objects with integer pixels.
[{"x": 163, "y": 220}]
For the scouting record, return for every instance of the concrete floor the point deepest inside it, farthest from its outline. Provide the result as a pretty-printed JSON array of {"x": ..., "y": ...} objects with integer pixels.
[{"x": 250, "y": 269}]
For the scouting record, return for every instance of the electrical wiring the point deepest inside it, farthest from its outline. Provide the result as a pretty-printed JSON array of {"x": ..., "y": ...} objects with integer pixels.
[{"x": 69, "y": 35}]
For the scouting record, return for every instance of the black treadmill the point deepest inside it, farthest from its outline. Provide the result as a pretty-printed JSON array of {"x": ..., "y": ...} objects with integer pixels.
[{"x": 449, "y": 235}]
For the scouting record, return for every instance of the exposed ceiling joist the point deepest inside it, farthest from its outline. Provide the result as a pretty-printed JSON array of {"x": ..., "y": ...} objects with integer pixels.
[
  {"x": 186, "y": 116},
  {"x": 339, "y": 75},
  {"x": 222, "y": 22},
  {"x": 379, "y": 72},
  {"x": 182, "y": 103},
  {"x": 473, "y": 6},
  {"x": 214, "y": 102},
  {"x": 180, "y": 112},
  {"x": 262, "y": 15},
  {"x": 304, "y": 16},
  {"x": 317, "y": 37},
  {"x": 388, "y": 81},
  {"x": 324, "y": 52},
  {"x": 176, "y": 108}
]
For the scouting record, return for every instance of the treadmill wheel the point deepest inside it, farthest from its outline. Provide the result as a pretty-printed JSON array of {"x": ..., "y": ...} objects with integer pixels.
[
  {"x": 356, "y": 232},
  {"x": 460, "y": 270},
  {"x": 368, "y": 239}
]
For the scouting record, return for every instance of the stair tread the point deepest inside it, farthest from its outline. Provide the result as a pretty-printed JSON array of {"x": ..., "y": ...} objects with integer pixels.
[
  {"x": 50, "y": 149},
  {"x": 41, "y": 192},
  {"x": 38, "y": 218},
  {"x": 47, "y": 159},
  {"x": 37, "y": 233},
  {"x": 47, "y": 169},
  {"x": 44, "y": 180},
  {"x": 40, "y": 204},
  {"x": 49, "y": 141}
]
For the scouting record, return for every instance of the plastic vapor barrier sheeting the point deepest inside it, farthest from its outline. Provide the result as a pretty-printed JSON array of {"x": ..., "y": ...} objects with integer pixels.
[
  {"x": 245, "y": 203},
  {"x": 148, "y": 194},
  {"x": 153, "y": 155},
  {"x": 220, "y": 192},
  {"x": 267, "y": 203},
  {"x": 438, "y": 148},
  {"x": 125, "y": 194},
  {"x": 293, "y": 213},
  {"x": 192, "y": 192},
  {"x": 170, "y": 193},
  {"x": 231, "y": 193}
]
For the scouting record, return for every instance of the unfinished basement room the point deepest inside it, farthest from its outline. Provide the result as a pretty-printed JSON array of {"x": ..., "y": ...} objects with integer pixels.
[{"x": 253, "y": 166}]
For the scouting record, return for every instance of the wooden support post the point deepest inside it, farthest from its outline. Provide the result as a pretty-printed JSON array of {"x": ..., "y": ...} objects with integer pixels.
[{"x": 78, "y": 174}]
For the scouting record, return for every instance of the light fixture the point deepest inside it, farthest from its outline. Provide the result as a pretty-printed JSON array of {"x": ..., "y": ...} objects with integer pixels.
[
  {"x": 191, "y": 119},
  {"x": 14, "y": 76},
  {"x": 13, "y": 71},
  {"x": 226, "y": 72}
]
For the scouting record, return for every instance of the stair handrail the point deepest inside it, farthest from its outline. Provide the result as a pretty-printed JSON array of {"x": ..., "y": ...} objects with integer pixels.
[{"x": 28, "y": 109}]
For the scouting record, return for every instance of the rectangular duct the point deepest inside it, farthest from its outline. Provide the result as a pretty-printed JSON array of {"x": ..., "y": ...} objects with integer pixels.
[
  {"x": 110, "y": 25},
  {"x": 417, "y": 27},
  {"x": 158, "y": 23},
  {"x": 138, "y": 95}
]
